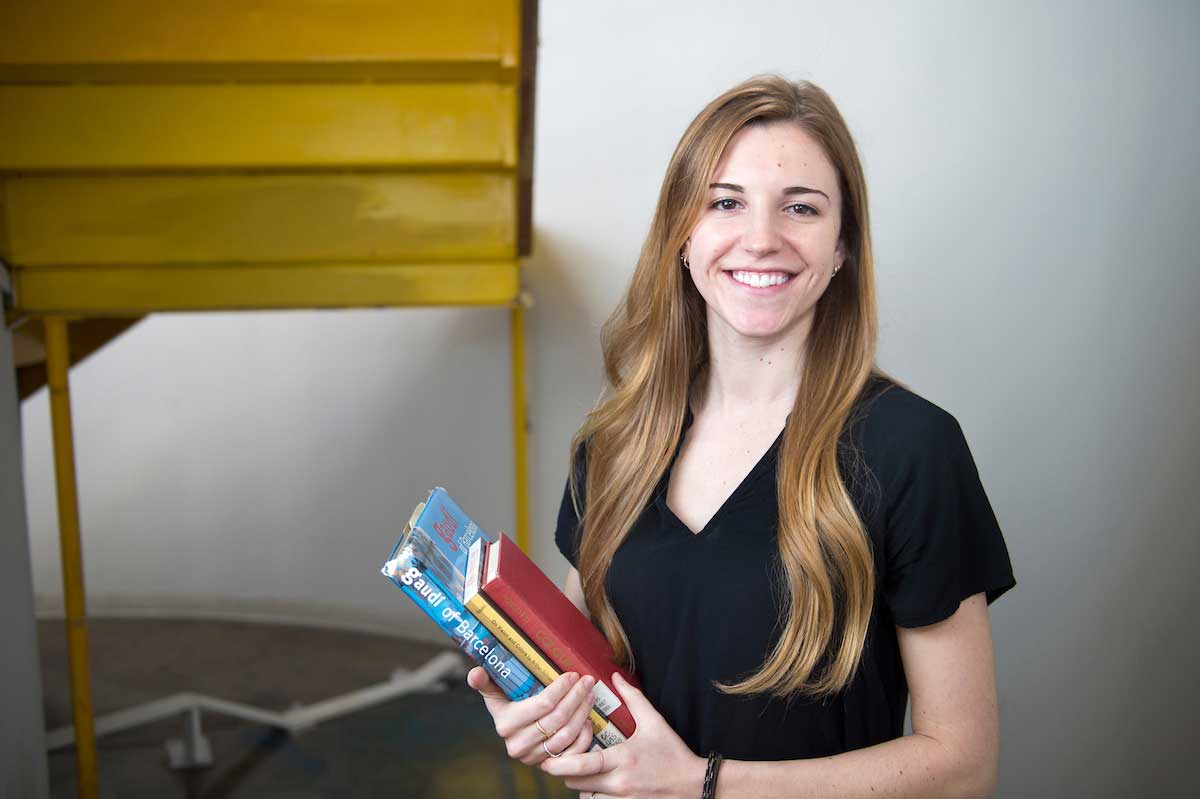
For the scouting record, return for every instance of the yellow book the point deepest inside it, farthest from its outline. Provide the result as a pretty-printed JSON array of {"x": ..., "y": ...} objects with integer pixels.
[{"x": 515, "y": 642}]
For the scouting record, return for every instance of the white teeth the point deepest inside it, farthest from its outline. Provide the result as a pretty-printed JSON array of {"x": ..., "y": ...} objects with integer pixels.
[{"x": 760, "y": 279}]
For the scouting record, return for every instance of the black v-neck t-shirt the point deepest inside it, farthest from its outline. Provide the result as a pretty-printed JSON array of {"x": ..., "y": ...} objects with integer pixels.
[{"x": 704, "y": 607}]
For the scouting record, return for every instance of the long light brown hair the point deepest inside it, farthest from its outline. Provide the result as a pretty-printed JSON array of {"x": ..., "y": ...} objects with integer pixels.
[{"x": 655, "y": 345}]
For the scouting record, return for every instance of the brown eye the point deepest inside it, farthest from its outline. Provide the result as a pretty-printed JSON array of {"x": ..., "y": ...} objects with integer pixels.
[
  {"x": 725, "y": 204},
  {"x": 803, "y": 210}
]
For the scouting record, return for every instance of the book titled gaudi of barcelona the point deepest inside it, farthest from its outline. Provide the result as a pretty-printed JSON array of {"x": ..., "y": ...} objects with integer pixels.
[
  {"x": 502, "y": 611},
  {"x": 426, "y": 567}
]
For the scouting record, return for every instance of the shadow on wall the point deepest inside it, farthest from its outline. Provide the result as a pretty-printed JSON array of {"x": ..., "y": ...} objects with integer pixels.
[
  {"x": 276, "y": 454},
  {"x": 565, "y": 368}
]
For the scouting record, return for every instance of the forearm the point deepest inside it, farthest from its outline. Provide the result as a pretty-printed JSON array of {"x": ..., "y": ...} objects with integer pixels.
[{"x": 912, "y": 766}]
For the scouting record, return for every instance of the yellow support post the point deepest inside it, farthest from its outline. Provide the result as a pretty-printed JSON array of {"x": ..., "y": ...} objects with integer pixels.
[
  {"x": 57, "y": 365},
  {"x": 520, "y": 424}
]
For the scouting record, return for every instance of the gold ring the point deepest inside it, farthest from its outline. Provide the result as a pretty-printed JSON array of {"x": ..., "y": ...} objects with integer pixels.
[
  {"x": 545, "y": 735},
  {"x": 546, "y": 749}
]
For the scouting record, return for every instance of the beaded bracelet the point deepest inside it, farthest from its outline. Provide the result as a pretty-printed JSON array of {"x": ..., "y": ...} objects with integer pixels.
[{"x": 710, "y": 776}]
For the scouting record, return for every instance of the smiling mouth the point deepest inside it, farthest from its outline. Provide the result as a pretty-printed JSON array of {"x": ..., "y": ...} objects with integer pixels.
[{"x": 759, "y": 280}]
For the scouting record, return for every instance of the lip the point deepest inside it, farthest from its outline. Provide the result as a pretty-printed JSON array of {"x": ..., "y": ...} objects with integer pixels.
[{"x": 760, "y": 289}]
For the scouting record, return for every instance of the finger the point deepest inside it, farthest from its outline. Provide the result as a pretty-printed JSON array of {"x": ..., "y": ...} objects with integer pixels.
[
  {"x": 639, "y": 705},
  {"x": 518, "y": 715},
  {"x": 585, "y": 792},
  {"x": 584, "y": 764},
  {"x": 561, "y": 723},
  {"x": 578, "y": 726},
  {"x": 481, "y": 681},
  {"x": 583, "y": 740},
  {"x": 572, "y": 711}
]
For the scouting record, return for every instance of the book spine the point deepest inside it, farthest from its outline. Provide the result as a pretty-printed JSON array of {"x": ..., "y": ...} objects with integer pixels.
[
  {"x": 511, "y": 638},
  {"x": 409, "y": 575},
  {"x": 559, "y": 650}
]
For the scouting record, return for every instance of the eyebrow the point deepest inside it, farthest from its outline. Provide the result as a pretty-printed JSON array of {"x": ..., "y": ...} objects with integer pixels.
[{"x": 787, "y": 191}]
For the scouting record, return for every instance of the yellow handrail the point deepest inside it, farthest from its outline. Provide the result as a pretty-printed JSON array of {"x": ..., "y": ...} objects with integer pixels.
[
  {"x": 520, "y": 424},
  {"x": 57, "y": 365}
]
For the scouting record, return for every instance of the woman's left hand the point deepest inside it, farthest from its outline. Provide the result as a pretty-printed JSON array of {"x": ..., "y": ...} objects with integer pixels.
[{"x": 654, "y": 763}]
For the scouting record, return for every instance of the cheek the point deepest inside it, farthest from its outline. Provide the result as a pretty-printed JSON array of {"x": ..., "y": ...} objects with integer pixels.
[
  {"x": 704, "y": 280},
  {"x": 707, "y": 245}
]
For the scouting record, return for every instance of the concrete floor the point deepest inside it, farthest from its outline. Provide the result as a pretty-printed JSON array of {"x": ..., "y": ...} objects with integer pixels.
[{"x": 432, "y": 746}]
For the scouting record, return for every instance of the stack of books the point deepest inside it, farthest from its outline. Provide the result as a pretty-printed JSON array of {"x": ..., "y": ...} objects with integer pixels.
[{"x": 503, "y": 611}]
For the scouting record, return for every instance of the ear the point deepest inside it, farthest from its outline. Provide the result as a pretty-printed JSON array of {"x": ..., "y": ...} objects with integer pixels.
[{"x": 839, "y": 254}]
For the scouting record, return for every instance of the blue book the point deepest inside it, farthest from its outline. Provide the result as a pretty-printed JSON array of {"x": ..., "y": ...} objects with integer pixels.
[
  {"x": 417, "y": 578},
  {"x": 451, "y": 532}
]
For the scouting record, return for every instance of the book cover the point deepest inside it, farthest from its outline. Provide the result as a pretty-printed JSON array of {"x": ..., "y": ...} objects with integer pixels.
[
  {"x": 520, "y": 590},
  {"x": 515, "y": 642},
  {"x": 412, "y": 576},
  {"x": 451, "y": 531}
]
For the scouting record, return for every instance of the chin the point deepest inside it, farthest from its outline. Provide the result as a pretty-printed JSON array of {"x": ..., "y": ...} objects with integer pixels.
[
  {"x": 761, "y": 332},
  {"x": 761, "y": 326}
]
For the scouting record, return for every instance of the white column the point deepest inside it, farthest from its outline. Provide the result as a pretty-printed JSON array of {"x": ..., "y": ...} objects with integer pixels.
[{"x": 22, "y": 727}]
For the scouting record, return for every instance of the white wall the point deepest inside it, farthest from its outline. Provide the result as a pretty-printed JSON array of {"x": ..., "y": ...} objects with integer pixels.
[{"x": 1034, "y": 182}]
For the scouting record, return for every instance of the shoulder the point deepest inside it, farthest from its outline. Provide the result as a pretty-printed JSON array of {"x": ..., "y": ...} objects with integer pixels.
[
  {"x": 897, "y": 438},
  {"x": 894, "y": 422}
]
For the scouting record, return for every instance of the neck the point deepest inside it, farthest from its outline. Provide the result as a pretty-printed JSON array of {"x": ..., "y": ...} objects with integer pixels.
[{"x": 752, "y": 378}]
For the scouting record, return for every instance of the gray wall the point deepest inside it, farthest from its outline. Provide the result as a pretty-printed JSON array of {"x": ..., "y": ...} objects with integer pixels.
[
  {"x": 1034, "y": 181},
  {"x": 22, "y": 738}
]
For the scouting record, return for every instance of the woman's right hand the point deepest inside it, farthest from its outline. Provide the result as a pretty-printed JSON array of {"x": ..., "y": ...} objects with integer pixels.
[{"x": 561, "y": 709}]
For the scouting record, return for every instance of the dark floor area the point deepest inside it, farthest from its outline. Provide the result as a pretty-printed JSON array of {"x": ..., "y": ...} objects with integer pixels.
[{"x": 421, "y": 746}]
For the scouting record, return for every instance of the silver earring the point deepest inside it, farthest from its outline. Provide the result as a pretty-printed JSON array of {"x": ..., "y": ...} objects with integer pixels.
[{"x": 684, "y": 262}]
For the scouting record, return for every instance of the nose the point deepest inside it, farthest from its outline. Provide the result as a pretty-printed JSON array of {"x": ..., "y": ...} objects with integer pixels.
[{"x": 760, "y": 235}]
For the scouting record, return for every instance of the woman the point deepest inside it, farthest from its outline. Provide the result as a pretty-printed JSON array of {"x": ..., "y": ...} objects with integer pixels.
[{"x": 781, "y": 540}]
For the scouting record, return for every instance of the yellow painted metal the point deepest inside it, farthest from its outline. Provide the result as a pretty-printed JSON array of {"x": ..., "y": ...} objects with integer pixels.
[
  {"x": 213, "y": 155},
  {"x": 57, "y": 366},
  {"x": 150, "y": 40},
  {"x": 508, "y": 30},
  {"x": 178, "y": 219},
  {"x": 230, "y": 126},
  {"x": 4, "y": 242},
  {"x": 520, "y": 422},
  {"x": 520, "y": 408},
  {"x": 135, "y": 290}
]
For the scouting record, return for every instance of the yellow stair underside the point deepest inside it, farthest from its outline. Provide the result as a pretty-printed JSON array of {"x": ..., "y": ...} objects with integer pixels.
[
  {"x": 123, "y": 291},
  {"x": 260, "y": 154},
  {"x": 205, "y": 218},
  {"x": 262, "y": 126},
  {"x": 256, "y": 40}
]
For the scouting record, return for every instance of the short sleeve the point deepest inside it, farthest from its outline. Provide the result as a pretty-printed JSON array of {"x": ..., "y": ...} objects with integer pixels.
[
  {"x": 567, "y": 532},
  {"x": 941, "y": 538}
]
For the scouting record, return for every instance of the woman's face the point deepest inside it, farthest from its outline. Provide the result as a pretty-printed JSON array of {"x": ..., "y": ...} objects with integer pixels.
[{"x": 767, "y": 242}]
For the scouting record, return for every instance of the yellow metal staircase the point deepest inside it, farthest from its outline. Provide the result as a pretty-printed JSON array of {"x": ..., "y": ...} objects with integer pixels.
[
  {"x": 225, "y": 155},
  {"x": 231, "y": 155}
]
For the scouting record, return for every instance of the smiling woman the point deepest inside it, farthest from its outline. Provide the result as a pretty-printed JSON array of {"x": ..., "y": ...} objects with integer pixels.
[{"x": 780, "y": 539}]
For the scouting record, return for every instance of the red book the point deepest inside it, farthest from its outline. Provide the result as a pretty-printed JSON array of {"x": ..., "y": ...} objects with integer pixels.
[{"x": 535, "y": 604}]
